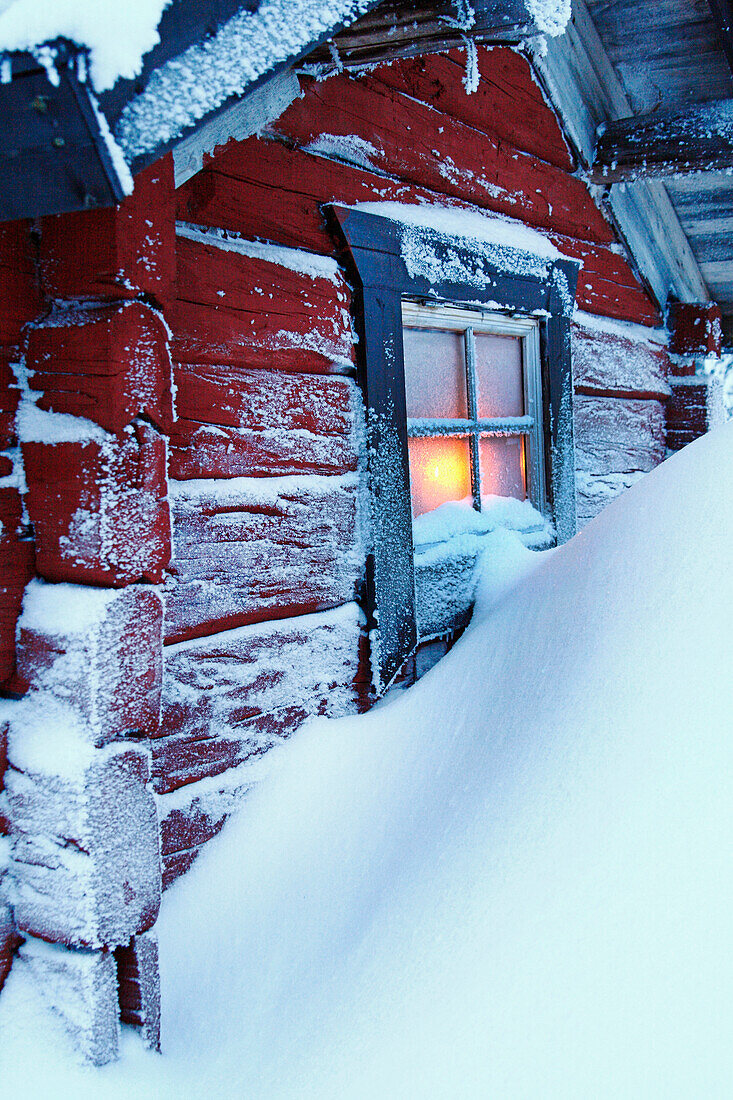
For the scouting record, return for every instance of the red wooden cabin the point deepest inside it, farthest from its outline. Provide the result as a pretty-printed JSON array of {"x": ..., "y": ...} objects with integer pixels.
[{"x": 388, "y": 276}]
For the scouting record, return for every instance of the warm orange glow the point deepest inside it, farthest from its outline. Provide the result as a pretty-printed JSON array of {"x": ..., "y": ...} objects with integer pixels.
[{"x": 440, "y": 470}]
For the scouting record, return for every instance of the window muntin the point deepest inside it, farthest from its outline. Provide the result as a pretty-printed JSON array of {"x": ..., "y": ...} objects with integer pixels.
[{"x": 474, "y": 406}]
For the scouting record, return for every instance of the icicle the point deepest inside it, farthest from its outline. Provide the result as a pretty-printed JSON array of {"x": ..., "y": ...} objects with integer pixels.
[
  {"x": 471, "y": 75},
  {"x": 335, "y": 57}
]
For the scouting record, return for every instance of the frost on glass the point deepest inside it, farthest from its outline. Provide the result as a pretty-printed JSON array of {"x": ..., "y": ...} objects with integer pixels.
[
  {"x": 440, "y": 471},
  {"x": 503, "y": 466},
  {"x": 499, "y": 376},
  {"x": 435, "y": 373}
]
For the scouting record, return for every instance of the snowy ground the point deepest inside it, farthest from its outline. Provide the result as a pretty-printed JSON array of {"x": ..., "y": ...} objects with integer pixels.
[{"x": 513, "y": 880}]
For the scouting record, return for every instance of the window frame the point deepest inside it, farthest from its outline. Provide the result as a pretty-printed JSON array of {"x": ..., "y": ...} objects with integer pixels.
[
  {"x": 444, "y": 317},
  {"x": 466, "y": 273}
]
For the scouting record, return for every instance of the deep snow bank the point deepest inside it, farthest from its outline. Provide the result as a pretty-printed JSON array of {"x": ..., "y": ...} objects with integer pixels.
[{"x": 512, "y": 880}]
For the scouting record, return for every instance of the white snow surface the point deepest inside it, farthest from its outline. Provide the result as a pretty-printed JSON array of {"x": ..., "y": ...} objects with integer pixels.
[
  {"x": 295, "y": 259},
  {"x": 117, "y": 34},
  {"x": 512, "y": 880}
]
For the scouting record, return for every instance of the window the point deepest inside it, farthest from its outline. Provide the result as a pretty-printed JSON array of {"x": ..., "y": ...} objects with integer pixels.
[
  {"x": 473, "y": 390},
  {"x": 464, "y": 364}
]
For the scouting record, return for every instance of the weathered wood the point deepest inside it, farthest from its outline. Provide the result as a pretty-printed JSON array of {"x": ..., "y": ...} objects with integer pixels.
[
  {"x": 607, "y": 285},
  {"x": 245, "y": 117},
  {"x": 245, "y": 199},
  {"x": 251, "y": 549},
  {"x": 104, "y": 663},
  {"x": 81, "y": 988},
  {"x": 8, "y": 939},
  {"x": 617, "y": 442},
  {"x": 138, "y": 985},
  {"x": 695, "y": 329},
  {"x": 507, "y": 104},
  {"x": 404, "y": 28},
  {"x": 607, "y": 363},
  {"x": 722, "y": 12},
  {"x": 231, "y": 696},
  {"x": 584, "y": 87},
  {"x": 238, "y": 422},
  {"x": 367, "y": 123},
  {"x": 119, "y": 252},
  {"x": 84, "y": 867},
  {"x": 698, "y": 138},
  {"x": 241, "y": 309},
  {"x": 106, "y": 364},
  {"x": 17, "y": 560},
  {"x": 99, "y": 510}
]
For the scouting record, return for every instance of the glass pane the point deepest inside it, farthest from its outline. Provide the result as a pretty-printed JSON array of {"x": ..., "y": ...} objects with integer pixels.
[
  {"x": 503, "y": 466},
  {"x": 435, "y": 373},
  {"x": 440, "y": 470},
  {"x": 499, "y": 375}
]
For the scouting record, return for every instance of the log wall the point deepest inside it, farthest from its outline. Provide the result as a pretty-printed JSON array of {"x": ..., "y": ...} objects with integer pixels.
[{"x": 181, "y": 429}]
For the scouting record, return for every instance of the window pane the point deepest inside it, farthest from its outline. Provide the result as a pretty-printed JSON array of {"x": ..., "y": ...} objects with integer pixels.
[
  {"x": 503, "y": 466},
  {"x": 440, "y": 470},
  {"x": 435, "y": 373},
  {"x": 499, "y": 375}
]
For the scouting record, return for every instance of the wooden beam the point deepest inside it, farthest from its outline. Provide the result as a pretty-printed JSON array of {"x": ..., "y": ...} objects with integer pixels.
[
  {"x": 673, "y": 143},
  {"x": 722, "y": 13},
  {"x": 581, "y": 83}
]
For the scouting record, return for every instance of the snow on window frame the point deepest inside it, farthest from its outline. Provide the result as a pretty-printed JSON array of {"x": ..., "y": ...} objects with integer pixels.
[{"x": 421, "y": 256}]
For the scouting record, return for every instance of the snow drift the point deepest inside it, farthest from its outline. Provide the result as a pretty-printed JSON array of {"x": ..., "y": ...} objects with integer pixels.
[{"x": 511, "y": 880}]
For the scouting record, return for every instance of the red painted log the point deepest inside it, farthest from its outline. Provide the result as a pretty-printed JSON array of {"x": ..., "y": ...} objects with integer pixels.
[
  {"x": 138, "y": 987},
  {"x": 508, "y": 104},
  {"x": 107, "y": 364},
  {"x": 687, "y": 413},
  {"x": 204, "y": 450},
  {"x": 239, "y": 422},
  {"x": 604, "y": 362},
  {"x": 235, "y": 308},
  {"x": 99, "y": 509},
  {"x": 696, "y": 329},
  {"x": 9, "y": 397},
  {"x": 20, "y": 301},
  {"x": 252, "y": 549},
  {"x": 102, "y": 659},
  {"x": 118, "y": 252},
  {"x": 16, "y": 569},
  {"x": 290, "y": 213},
  {"x": 607, "y": 285},
  {"x": 367, "y": 123}
]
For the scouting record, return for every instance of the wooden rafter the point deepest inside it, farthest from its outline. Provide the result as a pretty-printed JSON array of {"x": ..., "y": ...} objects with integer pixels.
[
  {"x": 673, "y": 143},
  {"x": 722, "y": 12}
]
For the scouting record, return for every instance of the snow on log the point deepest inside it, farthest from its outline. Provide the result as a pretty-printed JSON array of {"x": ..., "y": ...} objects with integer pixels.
[
  {"x": 251, "y": 549},
  {"x": 138, "y": 983},
  {"x": 107, "y": 364},
  {"x": 98, "y": 505},
  {"x": 507, "y": 103},
  {"x": 81, "y": 988},
  {"x": 242, "y": 308},
  {"x": 232, "y": 696},
  {"x": 16, "y": 569},
  {"x": 241, "y": 422},
  {"x": 99, "y": 651},
  {"x": 9, "y": 397},
  {"x": 84, "y": 868},
  {"x": 617, "y": 359},
  {"x": 688, "y": 411},
  {"x": 617, "y": 441},
  {"x": 367, "y": 123},
  {"x": 21, "y": 301},
  {"x": 120, "y": 251},
  {"x": 196, "y": 814}
]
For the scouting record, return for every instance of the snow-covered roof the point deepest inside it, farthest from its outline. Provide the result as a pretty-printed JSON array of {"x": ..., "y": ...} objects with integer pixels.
[{"x": 154, "y": 70}]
